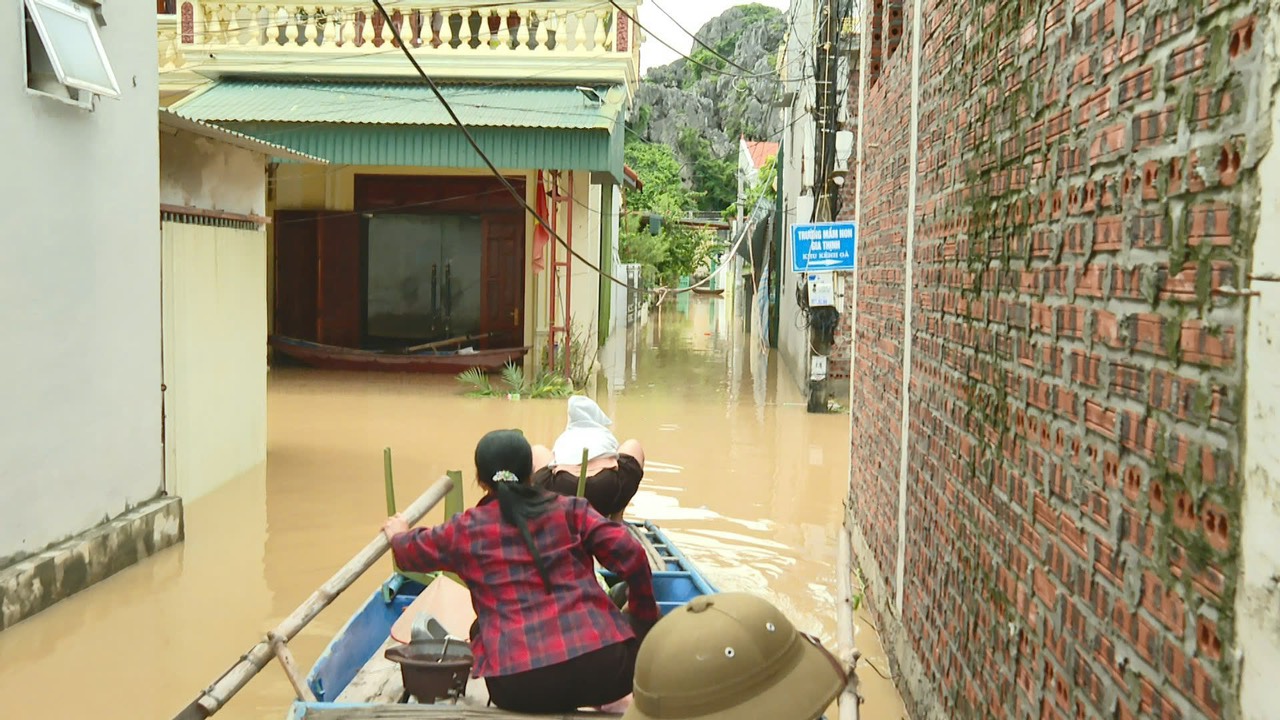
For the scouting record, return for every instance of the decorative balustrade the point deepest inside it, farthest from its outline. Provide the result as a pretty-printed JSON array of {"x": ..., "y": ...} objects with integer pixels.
[
  {"x": 355, "y": 26},
  {"x": 168, "y": 43}
]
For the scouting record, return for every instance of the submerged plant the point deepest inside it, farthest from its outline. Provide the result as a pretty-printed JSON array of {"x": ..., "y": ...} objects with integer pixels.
[
  {"x": 513, "y": 376},
  {"x": 547, "y": 384},
  {"x": 582, "y": 354},
  {"x": 550, "y": 385},
  {"x": 478, "y": 381}
]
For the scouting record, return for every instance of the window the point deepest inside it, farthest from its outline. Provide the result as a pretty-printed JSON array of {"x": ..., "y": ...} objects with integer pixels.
[{"x": 65, "y": 50}]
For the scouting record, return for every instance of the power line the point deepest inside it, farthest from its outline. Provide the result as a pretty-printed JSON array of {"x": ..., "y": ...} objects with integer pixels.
[
  {"x": 696, "y": 39},
  {"x": 489, "y": 163},
  {"x": 673, "y": 49}
]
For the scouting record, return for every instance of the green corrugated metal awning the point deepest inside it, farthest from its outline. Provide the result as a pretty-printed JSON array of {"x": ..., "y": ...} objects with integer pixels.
[{"x": 518, "y": 126}]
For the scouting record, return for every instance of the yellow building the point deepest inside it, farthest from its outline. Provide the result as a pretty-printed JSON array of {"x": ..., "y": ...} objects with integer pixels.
[{"x": 405, "y": 237}]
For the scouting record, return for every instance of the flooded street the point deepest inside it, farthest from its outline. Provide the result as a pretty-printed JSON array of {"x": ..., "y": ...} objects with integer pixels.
[{"x": 743, "y": 479}]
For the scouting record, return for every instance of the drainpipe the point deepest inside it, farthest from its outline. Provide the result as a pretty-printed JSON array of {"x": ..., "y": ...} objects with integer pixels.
[{"x": 908, "y": 278}]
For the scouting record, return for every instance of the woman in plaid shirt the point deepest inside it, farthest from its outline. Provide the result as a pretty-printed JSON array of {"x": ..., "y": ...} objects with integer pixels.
[{"x": 548, "y": 638}]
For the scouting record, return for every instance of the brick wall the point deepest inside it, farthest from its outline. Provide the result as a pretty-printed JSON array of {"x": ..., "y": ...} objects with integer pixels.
[{"x": 1086, "y": 188}]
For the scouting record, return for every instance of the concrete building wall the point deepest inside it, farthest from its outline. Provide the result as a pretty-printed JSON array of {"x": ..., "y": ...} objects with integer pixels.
[
  {"x": 204, "y": 173},
  {"x": 587, "y": 220},
  {"x": 79, "y": 293},
  {"x": 1049, "y": 393},
  {"x": 796, "y": 187}
]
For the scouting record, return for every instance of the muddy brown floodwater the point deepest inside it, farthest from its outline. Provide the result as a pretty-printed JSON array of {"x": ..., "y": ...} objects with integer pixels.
[{"x": 742, "y": 478}]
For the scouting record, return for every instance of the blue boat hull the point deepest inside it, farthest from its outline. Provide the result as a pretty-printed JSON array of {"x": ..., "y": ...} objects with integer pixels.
[{"x": 367, "y": 630}]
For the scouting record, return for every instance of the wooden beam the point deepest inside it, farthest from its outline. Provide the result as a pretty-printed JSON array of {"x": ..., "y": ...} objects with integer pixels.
[
  {"x": 656, "y": 561},
  {"x": 281, "y": 649}
]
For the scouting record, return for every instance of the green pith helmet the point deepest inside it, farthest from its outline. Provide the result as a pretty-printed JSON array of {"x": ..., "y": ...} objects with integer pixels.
[{"x": 732, "y": 656}]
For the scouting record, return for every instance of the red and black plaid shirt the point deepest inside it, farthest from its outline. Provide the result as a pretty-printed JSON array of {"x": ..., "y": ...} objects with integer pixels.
[{"x": 526, "y": 626}]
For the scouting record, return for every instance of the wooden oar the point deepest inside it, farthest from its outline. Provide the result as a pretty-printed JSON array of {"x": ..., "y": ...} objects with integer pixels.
[
  {"x": 442, "y": 343},
  {"x": 213, "y": 698}
]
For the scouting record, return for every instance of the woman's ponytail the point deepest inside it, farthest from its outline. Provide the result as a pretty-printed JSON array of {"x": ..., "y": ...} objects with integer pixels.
[{"x": 504, "y": 462}]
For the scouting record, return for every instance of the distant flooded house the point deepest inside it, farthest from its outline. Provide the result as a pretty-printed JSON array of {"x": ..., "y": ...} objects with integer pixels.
[{"x": 406, "y": 237}]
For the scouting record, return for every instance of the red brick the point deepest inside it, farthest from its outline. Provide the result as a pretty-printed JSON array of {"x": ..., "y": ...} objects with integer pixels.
[
  {"x": 1201, "y": 346},
  {"x": 1164, "y": 604},
  {"x": 1211, "y": 224},
  {"x": 1108, "y": 234},
  {"x": 1208, "y": 643},
  {"x": 1099, "y": 419}
]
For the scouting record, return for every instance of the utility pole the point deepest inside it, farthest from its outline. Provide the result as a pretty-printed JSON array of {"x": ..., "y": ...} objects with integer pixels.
[{"x": 822, "y": 320}]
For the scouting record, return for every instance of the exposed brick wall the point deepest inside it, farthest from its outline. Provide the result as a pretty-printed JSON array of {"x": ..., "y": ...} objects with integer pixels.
[
  {"x": 876, "y": 380},
  {"x": 1086, "y": 187}
]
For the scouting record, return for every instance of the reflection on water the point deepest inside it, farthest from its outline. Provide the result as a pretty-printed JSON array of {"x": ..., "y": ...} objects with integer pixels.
[{"x": 745, "y": 481}]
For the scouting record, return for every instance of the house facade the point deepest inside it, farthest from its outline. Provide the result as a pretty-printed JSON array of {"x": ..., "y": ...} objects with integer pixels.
[{"x": 407, "y": 238}]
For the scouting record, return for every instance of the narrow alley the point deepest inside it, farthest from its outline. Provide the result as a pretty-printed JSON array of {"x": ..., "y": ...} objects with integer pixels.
[{"x": 740, "y": 475}]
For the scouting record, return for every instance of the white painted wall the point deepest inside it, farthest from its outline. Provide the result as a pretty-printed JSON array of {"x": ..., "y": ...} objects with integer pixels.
[
  {"x": 618, "y": 303},
  {"x": 585, "y": 303},
  {"x": 215, "y": 355},
  {"x": 797, "y": 182},
  {"x": 215, "y": 316},
  {"x": 79, "y": 293},
  {"x": 1258, "y": 594},
  {"x": 204, "y": 173}
]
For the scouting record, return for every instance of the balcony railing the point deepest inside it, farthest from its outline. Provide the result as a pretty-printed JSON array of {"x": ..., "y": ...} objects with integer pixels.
[{"x": 234, "y": 35}]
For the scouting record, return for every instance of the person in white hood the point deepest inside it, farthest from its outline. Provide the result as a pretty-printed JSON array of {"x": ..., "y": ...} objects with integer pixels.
[{"x": 614, "y": 470}]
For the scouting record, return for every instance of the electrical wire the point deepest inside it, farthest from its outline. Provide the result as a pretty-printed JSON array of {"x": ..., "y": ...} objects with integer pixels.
[
  {"x": 388, "y": 22},
  {"x": 696, "y": 39},
  {"x": 716, "y": 70},
  {"x": 435, "y": 89}
]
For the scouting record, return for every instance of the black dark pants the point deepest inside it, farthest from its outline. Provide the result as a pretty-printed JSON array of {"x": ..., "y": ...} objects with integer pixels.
[{"x": 597, "y": 678}]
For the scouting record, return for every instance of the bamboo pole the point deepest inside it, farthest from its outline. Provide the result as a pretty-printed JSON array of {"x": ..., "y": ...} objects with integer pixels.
[
  {"x": 846, "y": 633},
  {"x": 390, "y": 589},
  {"x": 285, "y": 656},
  {"x": 213, "y": 698},
  {"x": 389, "y": 480},
  {"x": 582, "y": 474}
]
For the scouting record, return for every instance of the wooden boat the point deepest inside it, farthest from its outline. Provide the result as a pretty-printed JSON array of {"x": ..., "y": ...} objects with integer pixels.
[
  {"x": 353, "y": 679},
  {"x": 329, "y": 357},
  {"x": 708, "y": 291}
]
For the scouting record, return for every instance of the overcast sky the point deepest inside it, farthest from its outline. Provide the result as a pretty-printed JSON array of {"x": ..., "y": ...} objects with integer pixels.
[{"x": 692, "y": 14}]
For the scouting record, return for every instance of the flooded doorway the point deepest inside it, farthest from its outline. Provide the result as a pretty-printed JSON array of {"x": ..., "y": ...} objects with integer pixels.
[
  {"x": 423, "y": 277},
  {"x": 740, "y": 475}
]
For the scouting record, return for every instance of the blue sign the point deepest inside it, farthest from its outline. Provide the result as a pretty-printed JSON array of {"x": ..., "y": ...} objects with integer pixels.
[{"x": 822, "y": 247}]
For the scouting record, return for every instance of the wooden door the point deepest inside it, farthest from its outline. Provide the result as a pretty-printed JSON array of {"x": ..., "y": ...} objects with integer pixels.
[
  {"x": 318, "y": 277},
  {"x": 296, "y": 260},
  {"x": 340, "y": 280},
  {"x": 502, "y": 306}
]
